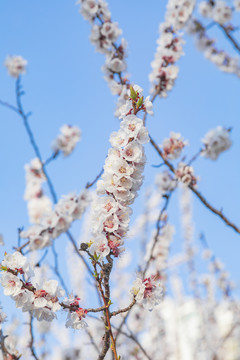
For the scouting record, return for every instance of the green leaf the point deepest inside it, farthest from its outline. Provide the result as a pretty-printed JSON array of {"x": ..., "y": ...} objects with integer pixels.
[{"x": 133, "y": 94}]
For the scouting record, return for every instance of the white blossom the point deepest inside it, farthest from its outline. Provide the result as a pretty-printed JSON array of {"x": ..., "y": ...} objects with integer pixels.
[
  {"x": 216, "y": 141},
  {"x": 16, "y": 65},
  {"x": 67, "y": 140}
]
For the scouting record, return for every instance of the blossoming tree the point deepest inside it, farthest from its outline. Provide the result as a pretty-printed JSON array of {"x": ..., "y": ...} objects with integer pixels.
[{"x": 106, "y": 307}]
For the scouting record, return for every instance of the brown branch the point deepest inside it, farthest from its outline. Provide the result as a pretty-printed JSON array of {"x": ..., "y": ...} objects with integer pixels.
[
  {"x": 31, "y": 344},
  {"x": 89, "y": 184},
  {"x": 129, "y": 336},
  {"x": 6, "y": 354},
  {"x": 114, "y": 313},
  {"x": 230, "y": 37},
  {"x": 196, "y": 192}
]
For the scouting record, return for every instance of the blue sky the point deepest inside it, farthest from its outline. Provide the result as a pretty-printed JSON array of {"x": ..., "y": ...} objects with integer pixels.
[{"x": 64, "y": 84}]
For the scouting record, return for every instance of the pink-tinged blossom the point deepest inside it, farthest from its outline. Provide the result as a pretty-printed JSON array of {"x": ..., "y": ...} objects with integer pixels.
[
  {"x": 172, "y": 146},
  {"x": 67, "y": 140},
  {"x": 100, "y": 247},
  {"x": 75, "y": 321},
  {"x": 18, "y": 262},
  {"x": 12, "y": 285},
  {"x": 222, "y": 13},
  {"x": 105, "y": 37},
  {"x": 205, "y": 8},
  {"x": 16, "y": 65},
  {"x": 179, "y": 12},
  {"x": 38, "y": 203},
  {"x": 204, "y": 43},
  {"x": 216, "y": 141},
  {"x": 53, "y": 223},
  {"x": 120, "y": 182},
  {"x": 185, "y": 173},
  {"x": 169, "y": 49},
  {"x": 148, "y": 292}
]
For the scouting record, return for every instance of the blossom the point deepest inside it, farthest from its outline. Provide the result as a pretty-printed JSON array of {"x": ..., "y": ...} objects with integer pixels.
[
  {"x": 216, "y": 141},
  {"x": 169, "y": 49},
  {"x": 205, "y": 8},
  {"x": 16, "y": 65},
  {"x": 186, "y": 174},
  {"x": 120, "y": 181},
  {"x": 172, "y": 146},
  {"x": 67, "y": 140},
  {"x": 75, "y": 321},
  {"x": 148, "y": 292},
  {"x": 222, "y": 13},
  {"x": 11, "y": 283},
  {"x": 18, "y": 262}
]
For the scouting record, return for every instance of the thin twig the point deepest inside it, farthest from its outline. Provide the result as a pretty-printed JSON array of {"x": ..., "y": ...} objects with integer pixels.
[
  {"x": 31, "y": 344},
  {"x": 196, "y": 192},
  {"x": 230, "y": 37},
  {"x": 114, "y": 313},
  {"x": 90, "y": 184}
]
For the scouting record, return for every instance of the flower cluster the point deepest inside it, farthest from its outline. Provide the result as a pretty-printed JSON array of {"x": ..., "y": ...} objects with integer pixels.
[
  {"x": 42, "y": 301},
  {"x": 185, "y": 173},
  {"x": 120, "y": 181},
  {"x": 55, "y": 222},
  {"x": 204, "y": 43},
  {"x": 75, "y": 318},
  {"x": 172, "y": 146},
  {"x": 179, "y": 12},
  {"x": 165, "y": 182},
  {"x": 38, "y": 203},
  {"x": 16, "y": 65},
  {"x": 169, "y": 48},
  {"x": 67, "y": 140},
  {"x": 104, "y": 35},
  {"x": 148, "y": 292},
  {"x": 216, "y": 141},
  {"x": 219, "y": 11}
]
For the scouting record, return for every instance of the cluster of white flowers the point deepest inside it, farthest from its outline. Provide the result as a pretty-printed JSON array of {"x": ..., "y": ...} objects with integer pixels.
[
  {"x": 185, "y": 173},
  {"x": 38, "y": 203},
  {"x": 169, "y": 48},
  {"x": 148, "y": 292},
  {"x": 55, "y": 222},
  {"x": 120, "y": 181},
  {"x": 172, "y": 146},
  {"x": 104, "y": 35},
  {"x": 16, "y": 65},
  {"x": 179, "y": 12},
  {"x": 160, "y": 253},
  {"x": 220, "y": 58},
  {"x": 216, "y": 141},
  {"x": 41, "y": 300},
  {"x": 219, "y": 11},
  {"x": 67, "y": 140},
  {"x": 165, "y": 182}
]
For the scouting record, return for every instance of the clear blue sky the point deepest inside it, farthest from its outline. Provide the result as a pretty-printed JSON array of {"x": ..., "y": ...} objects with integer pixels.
[{"x": 64, "y": 84}]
